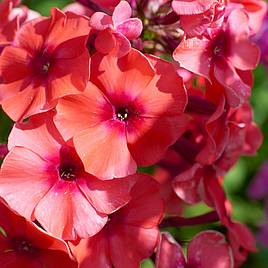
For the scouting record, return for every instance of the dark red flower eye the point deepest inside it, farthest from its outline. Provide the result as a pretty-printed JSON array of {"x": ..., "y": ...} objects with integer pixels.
[{"x": 122, "y": 113}]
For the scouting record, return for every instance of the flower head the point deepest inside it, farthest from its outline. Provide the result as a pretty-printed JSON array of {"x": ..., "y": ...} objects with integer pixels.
[{"x": 47, "y": 67}]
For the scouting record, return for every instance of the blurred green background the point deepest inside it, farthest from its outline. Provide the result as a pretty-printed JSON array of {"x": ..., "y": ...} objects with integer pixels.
[{"x": 236, "y": 182}]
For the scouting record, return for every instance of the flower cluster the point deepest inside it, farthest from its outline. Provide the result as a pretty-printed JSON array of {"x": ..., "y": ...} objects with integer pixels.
[{"x": 94, "y": 101}]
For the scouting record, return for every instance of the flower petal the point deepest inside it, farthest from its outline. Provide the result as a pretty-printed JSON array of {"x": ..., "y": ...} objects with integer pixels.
[
  {"x": 105, "y": 153},
  {"x": 24, "y": 180},
  {"x": 192, "y": 54},
  {"x": 106, "y": 196},
  {"x": 79, "y": 112},
  {"x": 209, "y": 249},
  {"x": 129, "y": 245},
  {"x": 169, "y": 253},
  {"x": 66, "y": 213}
]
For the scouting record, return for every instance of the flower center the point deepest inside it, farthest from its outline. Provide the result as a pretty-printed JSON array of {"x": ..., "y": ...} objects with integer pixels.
[
  {"x": 122, "y": 113},
  {"x": 220, "y": 44},
  {"x": 67, "y": 172},
  {"x": 41, "y": 63},
  {"x": 22, "y": 246}
]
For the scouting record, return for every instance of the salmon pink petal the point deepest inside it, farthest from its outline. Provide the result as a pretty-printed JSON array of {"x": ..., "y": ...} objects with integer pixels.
[
  {"x": 68, "y": 76},
  {"x": 106, "y": 196},
  {"x": 17, "y": 105},
  {"x": 31, "y": 35},
  {"x": 169, "y": 253},
  {"x": 130, "y": 28},
  {"x": 9, "y": 90},
  {"x": 101, "y": 21},
  {"x": 105, "y": 153},
  {"x": 93, "y": 252},
  {"x": 34, "y": 182},
  {"x": 129, "y": 245},
  {"x": 237, "y": 24},
  {"x": 13, "y": 58},
  {"x": 65, "y": 50},
  {"x": 149, "y": 138},
  {"x": 41, "y": 130},
  {"x": 237, "y": 91},
  {"x": 209, "y": 249},
  {"x": 244, "y": 54},
  {"x": 105, "y": 41},
  {"x": 123, "y": 45},
  {"x": 66, "y": 26},
  {"x": 159, "y": 98},
  {"x": 115, "y": 76},
  {"x": 121, "y": 12},
  {"x": 146, "y": 207},
  {"x": 66, "y": 213},
  {"x": 79, "y": 112},
  {"x": 192, "y": 54},
  {"x": 35, "y": 100},
  {"x": 189, "y": 7}
]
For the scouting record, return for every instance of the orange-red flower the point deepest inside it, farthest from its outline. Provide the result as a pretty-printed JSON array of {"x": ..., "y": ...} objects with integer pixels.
[
  {"x": 24, "y": 245},
  {"x": 42, "y": 64},
  {"x": 128, "y": 117}
]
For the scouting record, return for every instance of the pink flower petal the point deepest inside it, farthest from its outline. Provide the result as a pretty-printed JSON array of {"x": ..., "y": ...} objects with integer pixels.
[
  {"x": 209, "y": 249},
  {"x": 149, "y": 138},
  {"x": 41, "y": 130},
  {"x": 93, "y": 252},
  {"x": 130, "y": 28},
  {"x": 106, "y": 196},
  {"x": 101, "y": 21},
  {"x": 237, "y": 91},
  {"x": 121, "y": 12},
  {"x": 68, "y": 76},
  {"x": 105, "y": 153},
  {"x": 146, "y": 207},
  {"x": 169, "y": 253},
  {"x": 24, "y": 180},
  {"x": 66, "y": 213},
  {"x": 115, "y": 76},
  {"x": 105, "y": 41},
  {"x": 79, "y": 112},
  {"x": 129, "y": 245},
  {"x": 158, "y": 98},
  {"x": 192, "y": 54}
]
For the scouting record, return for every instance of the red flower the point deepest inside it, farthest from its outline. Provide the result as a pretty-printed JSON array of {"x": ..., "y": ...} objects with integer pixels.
[
  {"x": 207, "y": 249},
  {"x": 116, "y": 30},
  {"x": 24, "y": 245},
  {"x": 42, "y": 65},
  {"x": 43, "y": 179},
  {"x": 131, "y": 234},
  {"x": 223, "y": 55},
  {"x": 129, "y": 117}
]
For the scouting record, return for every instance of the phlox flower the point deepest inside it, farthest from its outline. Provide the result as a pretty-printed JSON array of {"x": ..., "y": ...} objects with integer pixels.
[
  {"x": 43, "y": 179},
  {"x": 23, "y": 244},
  {"x": 115, "y": 31},
  {"x": 223, "y": 55},
  {"x": 130, "y": 113},
  {"x": 42, "y": 65},
  {"x": 131, "y": 233}
]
